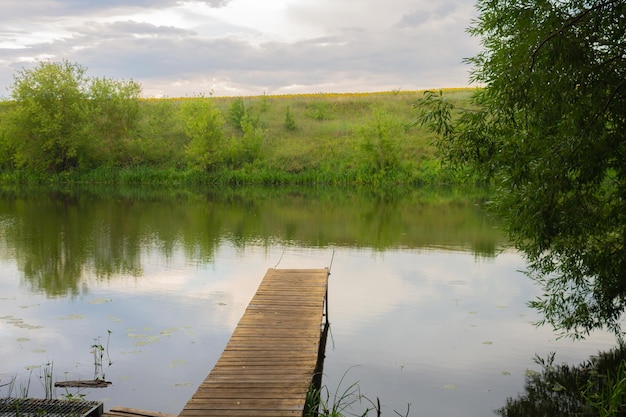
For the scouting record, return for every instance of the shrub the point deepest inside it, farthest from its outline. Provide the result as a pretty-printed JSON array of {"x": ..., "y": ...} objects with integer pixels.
[
  {"x": 236, "y": 113},
  {"x": 290, "y": 122},
  {"x": 379, "y": 141},
  {"x": 204, "y": 126}
]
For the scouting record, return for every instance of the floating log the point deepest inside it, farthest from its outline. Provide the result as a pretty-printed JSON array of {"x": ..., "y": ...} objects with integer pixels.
[{"x": 90, "y": 383}]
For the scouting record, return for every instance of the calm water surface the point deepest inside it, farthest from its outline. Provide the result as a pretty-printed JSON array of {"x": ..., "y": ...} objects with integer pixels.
[{"x": 427, "y": 308}]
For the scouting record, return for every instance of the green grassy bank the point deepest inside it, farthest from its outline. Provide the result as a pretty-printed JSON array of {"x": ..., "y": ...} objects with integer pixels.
[{"x": 361, "y": 139}]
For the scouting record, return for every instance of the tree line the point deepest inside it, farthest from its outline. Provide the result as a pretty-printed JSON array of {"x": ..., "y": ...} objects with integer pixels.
[{"x": 58, "y": 119}]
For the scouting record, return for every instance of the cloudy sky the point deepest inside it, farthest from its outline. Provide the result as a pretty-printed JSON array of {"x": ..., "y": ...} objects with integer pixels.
[{"x": 179, "y": 48}]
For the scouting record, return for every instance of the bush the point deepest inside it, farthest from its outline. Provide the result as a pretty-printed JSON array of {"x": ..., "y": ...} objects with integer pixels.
[
  {"x": 62, "y": 120},
  {"x": 290, "y": 122},
  {"x": 204, "y": 126},
  {"x": 379, "y": 141}
]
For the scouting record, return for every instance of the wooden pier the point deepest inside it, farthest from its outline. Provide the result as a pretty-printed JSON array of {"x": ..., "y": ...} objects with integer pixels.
[
  {"x": 273, "y": 356},
  {"x": 270, "y": 360}
]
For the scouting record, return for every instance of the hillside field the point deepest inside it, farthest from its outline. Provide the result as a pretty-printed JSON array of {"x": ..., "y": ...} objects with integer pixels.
[{"x": 360, "y": 138}]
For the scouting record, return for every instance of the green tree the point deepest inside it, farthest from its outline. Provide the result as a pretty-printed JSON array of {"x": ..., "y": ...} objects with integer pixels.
[
  {"x": 6, "y": 145},
  {"x": 46, "y": 126},
  {"x": 549, "y": 130},
  {"x": 60, "y": 119},
  {"x": 161, "y": 140},
  {"x": 114, "y": 116},
  {"x": 203, "y": 123}
]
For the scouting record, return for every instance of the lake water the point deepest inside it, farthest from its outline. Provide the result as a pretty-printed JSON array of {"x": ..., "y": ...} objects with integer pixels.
[{"x": 426, "y": 305}]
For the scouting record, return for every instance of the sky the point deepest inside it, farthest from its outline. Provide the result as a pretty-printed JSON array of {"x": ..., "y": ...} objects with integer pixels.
[{"x": 183, "y": 48}]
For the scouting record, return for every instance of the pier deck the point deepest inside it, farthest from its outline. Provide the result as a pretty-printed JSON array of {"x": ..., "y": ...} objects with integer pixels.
[{"x": 271, "y": 358}]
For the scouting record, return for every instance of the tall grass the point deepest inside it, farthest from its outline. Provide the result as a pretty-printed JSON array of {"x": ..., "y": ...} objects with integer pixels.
[{"x": 343, "y": 401}]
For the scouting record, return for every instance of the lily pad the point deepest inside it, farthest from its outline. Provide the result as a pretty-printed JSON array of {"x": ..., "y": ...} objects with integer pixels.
[
  {"x": 29, "y": 326},
  {"x": 177, "y": 362},
  {"x": 147, "y": 340},
  {"x": 20, "y": 323},
  {"x": 100, "y": 300},
  {"x": 72, "y": 317},
  {"x": 168, "y": 332}
]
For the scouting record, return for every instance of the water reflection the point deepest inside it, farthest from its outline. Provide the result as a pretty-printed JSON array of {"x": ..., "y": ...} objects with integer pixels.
[
  {"x": 596, "y": 387},
  {"x": 58, "y": 237},
  {"x": 422, "y": 309}
]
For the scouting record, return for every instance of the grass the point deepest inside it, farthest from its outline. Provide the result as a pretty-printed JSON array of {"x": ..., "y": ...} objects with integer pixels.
[
  {"x": 363, "y": 139},
  {"x": 343, "y": 401}
]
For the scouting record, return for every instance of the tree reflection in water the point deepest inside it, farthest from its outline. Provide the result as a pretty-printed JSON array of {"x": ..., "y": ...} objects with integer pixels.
[
  {"x": 596, "y": 387},
  {"x": 60, "y": 237}
]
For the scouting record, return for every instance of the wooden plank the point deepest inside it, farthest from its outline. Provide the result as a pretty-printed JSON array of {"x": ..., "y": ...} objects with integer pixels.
[
  {"x": 206, "y": 389},
  {"x": 269, "y": 361},
  {"x": 133, "y": 412},
  {"x": 243, "y": 413}
]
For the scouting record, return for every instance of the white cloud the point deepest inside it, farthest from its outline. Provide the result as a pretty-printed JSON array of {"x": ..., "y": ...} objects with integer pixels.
[{"x": 246, "y": 46}]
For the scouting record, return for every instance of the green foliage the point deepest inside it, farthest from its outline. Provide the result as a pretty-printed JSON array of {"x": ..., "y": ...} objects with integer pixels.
[
  {"x": 46, "y": 127},
  {"x": 596, "y": 387},
  {"x": 606, "y": 393},
  {"x": 128, "y": 139},
  {"x": 160, "y": 141},
  {"x": 549, "y": 129},
  {"x": 252, "y": 141},
  {"x": 98, "y": 351},
  {"x": 246, "y": 148},
  {"x": 204, "y": 126},
  {"x": 290, "y": 121},
  {"x": 62, "y": 120},
  {"x": 342, "y": 402},
  {"x": 319, "y": 110},
  {"x": 237, "y": 113},
  {"x": 264, "y": 105},
  {"x": 324, "y": 403},
  {"x": 6, "y": 146},
  {"x": 114, "y": 114},
  {"x": 380, "y": 136}
]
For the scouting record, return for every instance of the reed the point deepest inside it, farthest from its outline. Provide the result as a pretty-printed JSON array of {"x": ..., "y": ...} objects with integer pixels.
[{"x": 343, "y": 401}]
